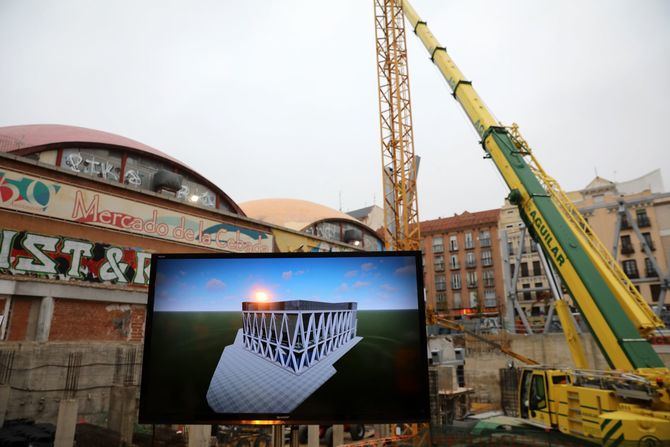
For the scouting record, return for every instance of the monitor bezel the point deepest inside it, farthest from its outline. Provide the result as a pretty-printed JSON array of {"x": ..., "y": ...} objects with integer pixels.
[{"x": 146, "y": 417}]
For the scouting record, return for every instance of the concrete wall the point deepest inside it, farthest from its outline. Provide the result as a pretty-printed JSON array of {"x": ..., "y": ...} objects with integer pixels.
[
  {"x": 39, "y": 371},
  {"x": 481, "y": 367}
]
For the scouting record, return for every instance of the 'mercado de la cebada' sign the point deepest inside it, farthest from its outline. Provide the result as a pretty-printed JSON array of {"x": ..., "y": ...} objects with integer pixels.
[{"x": 59, "y": 200}]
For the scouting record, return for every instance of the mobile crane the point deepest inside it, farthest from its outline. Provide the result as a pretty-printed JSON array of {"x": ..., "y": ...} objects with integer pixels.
[{"x": 631, "y": 402}]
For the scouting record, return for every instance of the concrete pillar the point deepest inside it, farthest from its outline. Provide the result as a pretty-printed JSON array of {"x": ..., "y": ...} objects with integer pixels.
[
  {"x": 123, "y": 411},
  {"x": 338, "y": 435},
  {"x": 312, "y": 436},
  {"x": 277, "y": 436},
  {"x": 295, "y": 437},
  {"x": 66, "y": 423},
  {"x": 44, "y": 319},
  {"x": 199, "y": 435},
  {"x": 4, "y": 402}
]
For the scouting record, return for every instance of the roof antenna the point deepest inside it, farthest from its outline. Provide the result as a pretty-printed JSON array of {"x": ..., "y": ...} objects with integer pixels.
[{"x": 595, "y": 170}]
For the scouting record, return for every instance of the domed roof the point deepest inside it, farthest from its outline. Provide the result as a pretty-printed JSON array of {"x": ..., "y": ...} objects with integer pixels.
[
  {"x": 293, "y": 213},
  {"x": 32, "y": 138}
]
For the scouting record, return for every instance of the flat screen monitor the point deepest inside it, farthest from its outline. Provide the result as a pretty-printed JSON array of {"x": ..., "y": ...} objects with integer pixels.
[{"x": 293, "y": 338}]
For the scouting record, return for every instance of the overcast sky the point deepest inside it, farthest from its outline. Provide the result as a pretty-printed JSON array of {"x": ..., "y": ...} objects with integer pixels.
[{"x": 279, "y": 99}]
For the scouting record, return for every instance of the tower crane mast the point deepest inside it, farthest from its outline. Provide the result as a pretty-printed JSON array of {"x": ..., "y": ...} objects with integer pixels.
[{"x": 399, "y": 164}]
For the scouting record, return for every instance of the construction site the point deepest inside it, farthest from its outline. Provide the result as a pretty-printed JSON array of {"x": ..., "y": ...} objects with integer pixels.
[{"x": 547, "y": 318}]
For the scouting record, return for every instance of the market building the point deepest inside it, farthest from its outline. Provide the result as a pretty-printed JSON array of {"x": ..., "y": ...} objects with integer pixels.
[{"x": 81, "y": 212}]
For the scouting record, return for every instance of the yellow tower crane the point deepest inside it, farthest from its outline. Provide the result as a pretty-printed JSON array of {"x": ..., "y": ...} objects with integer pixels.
[{"x": 399, "y": 164}]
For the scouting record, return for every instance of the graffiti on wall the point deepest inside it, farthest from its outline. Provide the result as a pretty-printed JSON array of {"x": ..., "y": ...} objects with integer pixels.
[
  {"x": 68, "y": 259},
  {"x": 62, "y": 201},
  {"x": 26, "y": 193}
]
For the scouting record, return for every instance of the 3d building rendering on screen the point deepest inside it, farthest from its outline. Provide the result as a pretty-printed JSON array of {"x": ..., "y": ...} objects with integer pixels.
[
  {"x": 296, "y": 335},
  {"x": 284, "y": 352}
]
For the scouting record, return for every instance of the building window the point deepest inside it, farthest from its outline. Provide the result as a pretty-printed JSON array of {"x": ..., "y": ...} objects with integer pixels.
[
  {"x": 470, "y": 260},
  {"x": 487, "y": 277},
  {"x": 524, "y": 269},
  {"x": 533, "y": 246},
  {"x": 527, "y": 295},
  {"x": 468, "y": 241},
  {"x": 453, "y": 243},
  {"x": 625, "y": 225},
  {"x": 648, "y": 241},
  {"x": 457, "y": 300},
  {"x": 472, "y": 279},
  {"x": 487, "y": 258},
  {"x": 438, "y": 263},
  {"x": 626, "y": 245},
  {"x": 441, "y": 297},
  {"x": 649, "y": 270},
  {"x": 510, "y": 248},
  {"x": 456, "y": 281},
  {"x": 511, "y": 270},
  {"x": 440, "y": 283},
  {"x": 490, "y": 298},
  {"x": 537, "y": 271},
  {"x": 484, "y": 238},
  {"x": 438, "y": 244},
  {"x": 655, "y": 290},
  {"x": 642, "y": 218},
  {"x": 454, "y": 262},
  {"x": 630, "y": 268},
  {"x": 474, "y": 302}
]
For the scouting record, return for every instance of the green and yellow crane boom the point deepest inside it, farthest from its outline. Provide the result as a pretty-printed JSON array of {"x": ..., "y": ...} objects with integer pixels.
[{"x": 629, "y": 403}]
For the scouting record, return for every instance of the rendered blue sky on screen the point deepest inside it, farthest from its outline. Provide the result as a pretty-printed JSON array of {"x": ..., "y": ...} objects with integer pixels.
[{"x": 223, "y": 284}]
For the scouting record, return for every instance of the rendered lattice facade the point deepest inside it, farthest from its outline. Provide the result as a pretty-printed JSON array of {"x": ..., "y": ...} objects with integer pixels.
[{"x": 296, "y": 335}]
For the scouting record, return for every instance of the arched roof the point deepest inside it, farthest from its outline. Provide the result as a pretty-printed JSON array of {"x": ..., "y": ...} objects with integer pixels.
[
  {"x": 32, "y": 138},
  {"x": 293, "y": 213}
]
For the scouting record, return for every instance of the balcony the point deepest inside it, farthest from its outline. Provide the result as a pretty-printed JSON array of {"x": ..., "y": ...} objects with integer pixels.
[
  {"x": 625, "y": 225},
  {"x": 470, "y": 264},
  {"x": 455, "y": 266},
  {"x": 438, "y": 248},
  {"x": 633, "y": 274},
  {"x": 440, "y": 286},
  {"x": 627, "y": 249},
  {"x": 453, "y": 247},
  {"x": 486, "y": 262},
  {"x": 469, "y": 245},
  {"x": 485, "y": 242},
  {"x": 489, "y": 282},
  {"x": 439, "y": 267},
  {"x": 472, "y": 285}
]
